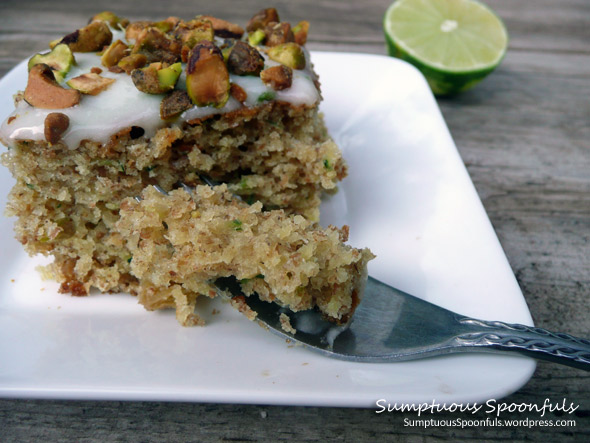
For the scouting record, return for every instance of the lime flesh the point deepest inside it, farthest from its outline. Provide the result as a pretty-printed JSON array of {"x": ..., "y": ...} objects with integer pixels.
[{"x": 455, "y": 43}]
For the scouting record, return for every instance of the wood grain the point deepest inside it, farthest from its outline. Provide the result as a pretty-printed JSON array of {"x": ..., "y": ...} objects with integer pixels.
[{"x": 524, "y": 134}]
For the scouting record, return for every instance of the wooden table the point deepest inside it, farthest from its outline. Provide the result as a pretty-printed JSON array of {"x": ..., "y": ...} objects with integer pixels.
[{"x": 524, "y": 134}]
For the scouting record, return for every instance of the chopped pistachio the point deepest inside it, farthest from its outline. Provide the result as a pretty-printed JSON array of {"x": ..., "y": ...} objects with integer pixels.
[
  {"x": 157, "y": 46},
  {"x": 134, "y": 29},
  {"x": 223, "y": 28},
  {"x": 300, "y": 32},
  {"x": 226, "y": 51},
  {"x": 289, "y": 54},
  {"x": 60, "y": 59},
  {"x": 131, "y": 62},
  {"x": 90, "y": 84},
  {"x": 184, "y": 53},
  {"x": 44, "y": 92},
  {"x": 90, "y": 38},
  {"x": 146, "y": 79},
  {"x": 55, "y": 125},
  {"x": 278, "y": 33},
  {"x": 168, "y": 24},
  {"x": 111, "y": 18},
  {"x": 262, "y": 18},
  {"x": 237, "y": 92},
  {"x": 207, "y": 79},
  {"x": 277, "y": 77},
  {"x": 175, "y": 103},
  {"x": 164, "y": 25},
  {"x": 192, "y": 32},
  {"x": 244, "y": 59},
  {"x": 116, "y": 69},
  {"x": 150, "y": 39},
  {"x": 156, "y": 78},
  {"x": 167, "y": 77},
  {"x": 257, "y": 37},
  {"x": 114, "y": 53}
]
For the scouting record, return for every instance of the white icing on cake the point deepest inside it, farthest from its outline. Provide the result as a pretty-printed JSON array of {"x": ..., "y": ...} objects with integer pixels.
[{"x": 122, "y": 105}]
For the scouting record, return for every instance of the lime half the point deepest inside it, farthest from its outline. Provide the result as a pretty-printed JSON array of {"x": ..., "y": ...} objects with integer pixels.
[{"x": 455, "y": 43}]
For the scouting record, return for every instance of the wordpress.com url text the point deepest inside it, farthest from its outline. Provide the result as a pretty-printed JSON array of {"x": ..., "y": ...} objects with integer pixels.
[{"x": 487, "y": 422}]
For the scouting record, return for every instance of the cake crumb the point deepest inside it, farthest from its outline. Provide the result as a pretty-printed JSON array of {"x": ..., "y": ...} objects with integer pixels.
[
  {"x": 286, "y": 324},
  {"x": 239, "y": 303}
]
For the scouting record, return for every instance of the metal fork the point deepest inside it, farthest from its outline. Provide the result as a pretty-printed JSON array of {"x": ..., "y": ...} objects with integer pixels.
[{"x": 390, "y": 325}]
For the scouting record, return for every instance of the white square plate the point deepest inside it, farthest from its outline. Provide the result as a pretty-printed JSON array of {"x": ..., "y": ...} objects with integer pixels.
[{"x": 408, "y": 197}]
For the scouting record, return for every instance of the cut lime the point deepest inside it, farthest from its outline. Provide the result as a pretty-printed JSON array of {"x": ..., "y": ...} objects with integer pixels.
[{"x": 455, "y": 43}]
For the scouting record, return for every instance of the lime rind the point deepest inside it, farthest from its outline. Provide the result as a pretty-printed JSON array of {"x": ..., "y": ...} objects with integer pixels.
[{"x": 450, "y": 61}]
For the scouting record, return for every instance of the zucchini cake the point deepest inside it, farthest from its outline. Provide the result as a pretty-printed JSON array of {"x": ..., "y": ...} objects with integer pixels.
[{"x": 117, "y": 109}]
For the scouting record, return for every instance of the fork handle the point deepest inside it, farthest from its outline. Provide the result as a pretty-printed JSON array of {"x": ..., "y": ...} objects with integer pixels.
[{"x": 534, "y": 342}]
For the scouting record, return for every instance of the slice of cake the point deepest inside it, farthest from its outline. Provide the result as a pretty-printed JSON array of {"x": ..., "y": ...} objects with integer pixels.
[
  {"x": 115, "y": 107},
  {"x": 181, "y": 243}
]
